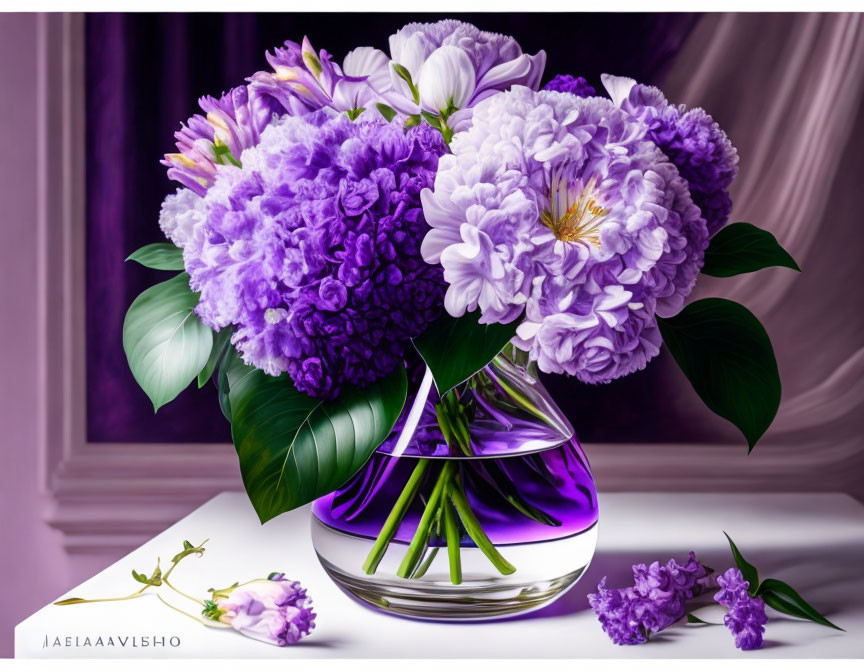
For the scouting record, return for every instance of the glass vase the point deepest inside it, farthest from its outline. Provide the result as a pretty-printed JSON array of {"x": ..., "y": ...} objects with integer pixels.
[{"x": 480, "y": 504}]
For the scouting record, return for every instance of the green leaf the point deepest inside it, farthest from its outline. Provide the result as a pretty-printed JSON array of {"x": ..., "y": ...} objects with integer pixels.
[
  {"x": 165, "y": 343},
  {"x": 455, "y": 348},
  {"x": 402, "y": 71},
  {"x": 161, "y": 256},
  {"x": 221, "y": 342},
  {"x": 783, "y": 598},
  {"x": 413, "y": 120},
  {"x": 695, "y": 619},
  {"x": 726, "y": 354},
  {"x": 748, "y": 571},
  {"x": 432, "y": 120},
  {"x": 356, "y": 112},
  {"x": 386, "y": 111},
  {"x": 744, "y": 248},
  {"x": 231, "y": 367},
  {"x": 294, "y": 448},
  {"x": 140, "y": 578}
]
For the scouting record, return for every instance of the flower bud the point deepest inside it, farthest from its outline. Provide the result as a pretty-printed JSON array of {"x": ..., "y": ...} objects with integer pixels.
[
  {"x": 272, "y": 610},
  {"x": 447, "y": 77}
]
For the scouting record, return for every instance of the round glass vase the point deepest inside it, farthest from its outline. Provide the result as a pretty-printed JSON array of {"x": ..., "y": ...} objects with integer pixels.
[{"x": 480, "y": 504}]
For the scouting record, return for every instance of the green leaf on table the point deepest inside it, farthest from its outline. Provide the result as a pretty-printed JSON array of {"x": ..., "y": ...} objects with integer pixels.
[
  {"x": 726, "y": 354},
  {"x": 161, "y": 256},
  {"x": 748, "y": 571},
  {"x": 166, "y": 344},
  {"x": 783, "y": 598},
  {"x": 455, "y": 348},
  {"x": 294, "y": 448},
  {"x": 221, "y": 342},
  {"x": 692, "y": 618},
  {"x": 744, "y": 248}
]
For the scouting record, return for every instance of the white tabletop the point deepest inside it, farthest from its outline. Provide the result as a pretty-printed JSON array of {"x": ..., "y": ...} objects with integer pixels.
[{"x": 815, "y": 542}]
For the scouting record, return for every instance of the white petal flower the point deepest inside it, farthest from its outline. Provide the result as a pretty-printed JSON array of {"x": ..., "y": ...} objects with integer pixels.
[{"x": 447, "y": 78}]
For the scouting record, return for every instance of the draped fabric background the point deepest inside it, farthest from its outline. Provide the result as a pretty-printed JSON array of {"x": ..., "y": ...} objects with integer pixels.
[
  {"x": 789, "y": 90},
  {"x": 144, "y": 75}
]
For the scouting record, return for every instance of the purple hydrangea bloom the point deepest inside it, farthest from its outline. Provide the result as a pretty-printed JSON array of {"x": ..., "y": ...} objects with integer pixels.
[
  {"x": 691, "y": 139},
  {"x": 564, "y": 208},
  {"x": 656, "y": 601},
  {"x": 578, "y": 86},
  {"x": 312, "y": 249},
  {"x": 273, "y": 610},
  {"x": 746, "y": 617}
]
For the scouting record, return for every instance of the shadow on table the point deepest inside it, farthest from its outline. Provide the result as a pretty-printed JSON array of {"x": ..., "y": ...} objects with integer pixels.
[{"x": 829, "y": 578}]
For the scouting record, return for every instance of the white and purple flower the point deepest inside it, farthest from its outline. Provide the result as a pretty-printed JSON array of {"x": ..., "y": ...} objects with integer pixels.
[
  {"x": 564, "y": 208},
  {"x": 272, "y": 610},
  {"x": 452, "y": 64}
]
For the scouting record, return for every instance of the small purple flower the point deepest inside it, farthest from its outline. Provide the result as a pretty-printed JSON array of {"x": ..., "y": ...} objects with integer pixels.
[
  {"x": 656, "y": 601},
  {"x": 619, "y": 612},
  {"x": 746, "y": 617},
  {"x": 578, "y": 86},
  {"x": 274, "y": 610}
]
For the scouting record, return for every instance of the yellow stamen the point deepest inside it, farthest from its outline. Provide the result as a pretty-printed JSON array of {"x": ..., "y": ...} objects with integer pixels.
[{"x": 578, "y": 221}]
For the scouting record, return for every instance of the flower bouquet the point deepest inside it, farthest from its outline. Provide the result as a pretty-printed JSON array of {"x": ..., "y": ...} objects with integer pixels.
[{"x": 376, "y": 259}]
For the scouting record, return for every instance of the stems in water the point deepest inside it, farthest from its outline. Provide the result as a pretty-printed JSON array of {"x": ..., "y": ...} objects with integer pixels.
[
  {"x": 424, "y": 527},
  {"x": 475, "y": 530},
  {"x": 391, "y": 525},
  {"x": 454, "y": 552}
]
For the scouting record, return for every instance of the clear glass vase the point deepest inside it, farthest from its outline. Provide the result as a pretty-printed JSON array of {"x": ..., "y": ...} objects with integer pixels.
[{"x": 484, "y": 509}]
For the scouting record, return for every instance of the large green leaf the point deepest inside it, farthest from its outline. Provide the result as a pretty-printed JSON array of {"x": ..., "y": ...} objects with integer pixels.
[
  {"x": 161, "y": 256},
  {"x": 744, "y": 248},
  {"x": 782, "y": 597},
  {"x": 726, "y": 354},
  {"x": 455, "y": 348},
  {"x": 221, "y": 343},
  {"x": 165, "y": 343},
  {"x": 294, "y": 448}
]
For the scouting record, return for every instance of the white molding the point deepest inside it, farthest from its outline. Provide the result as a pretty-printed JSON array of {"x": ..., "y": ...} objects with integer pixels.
[{"x": 108, "y": 497}]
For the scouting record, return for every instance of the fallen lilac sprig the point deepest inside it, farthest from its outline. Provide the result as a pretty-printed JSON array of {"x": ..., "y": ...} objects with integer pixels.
[
  {"x": 660, "y": 595},
  {"x": 656, "y": 601}
]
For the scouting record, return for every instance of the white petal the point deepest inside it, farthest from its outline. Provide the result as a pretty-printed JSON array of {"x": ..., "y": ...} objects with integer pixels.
[
  {"x": 447, "y": 75},
  {"x": 617, "y": 87},
  {"x": 368, "y": 62}
]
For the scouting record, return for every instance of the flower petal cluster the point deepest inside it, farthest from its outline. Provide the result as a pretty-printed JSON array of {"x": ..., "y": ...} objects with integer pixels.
[
  {"x": 274, "y": 610},
  {"x": 578, "y": 86},
  {"x": 564, "y": 208},
  {"x": 656, "y": 601},
  {"x": 692, "y": 140},
  {"x": 454, "y": 63},
  {"x": 230, "y": 124},
  {"x": 312, "y": 249},
  {"x": 746, "y": 617},
  {"x": 300, "y": 82}
]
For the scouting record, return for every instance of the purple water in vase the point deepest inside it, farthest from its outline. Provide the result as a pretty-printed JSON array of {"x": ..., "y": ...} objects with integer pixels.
[{"x": 488, "y": 509}]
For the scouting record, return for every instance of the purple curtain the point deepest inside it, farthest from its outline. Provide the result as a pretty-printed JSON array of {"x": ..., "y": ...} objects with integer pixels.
[{"x": 144, "y": 75}]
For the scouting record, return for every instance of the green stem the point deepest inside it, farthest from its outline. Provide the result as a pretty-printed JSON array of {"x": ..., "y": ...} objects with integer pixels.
[
  {"x": 80, "y": 600},
  {"x": 180, "y": 592},
  {"x": 451, "y": 531},
  {"x": 424, "y": 527},
  {"x": 208, "y": 623},
  {"x": 475, "y": 530},
  {"x": 433, "y": 552},
  {"x": 391, "y": 525}
]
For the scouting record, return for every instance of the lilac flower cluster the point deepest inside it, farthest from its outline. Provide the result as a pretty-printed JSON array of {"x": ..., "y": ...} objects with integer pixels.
[
  {"x": 564, "y": 208},
  {"x": 272, "y": 610},
  {"x": 691, "y": 139},
  {"x": 656, "y": 600},
  {"x": 746, "y": 617},
  {"x": 312, "y": 249},
  {"x": 578, "y": 86}
]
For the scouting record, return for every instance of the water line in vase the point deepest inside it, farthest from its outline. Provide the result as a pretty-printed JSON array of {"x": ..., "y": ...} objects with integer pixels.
[{"x": 408, "y": 431}]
